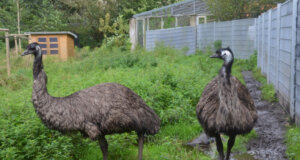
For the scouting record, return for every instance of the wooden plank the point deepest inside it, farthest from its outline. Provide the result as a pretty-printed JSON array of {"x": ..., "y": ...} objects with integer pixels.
[{"x": 4, "y": 30}]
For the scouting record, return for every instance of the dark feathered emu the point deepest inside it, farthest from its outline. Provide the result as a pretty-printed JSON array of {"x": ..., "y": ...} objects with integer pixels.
[
  {"x": 97, "y": 111},
  {"x": 226, "y": 105}
]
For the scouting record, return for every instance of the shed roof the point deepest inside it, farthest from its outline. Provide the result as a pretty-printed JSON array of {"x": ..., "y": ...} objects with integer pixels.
[
  {"x": 187, "y": 7},
  {"x": 52, "y": 33}
]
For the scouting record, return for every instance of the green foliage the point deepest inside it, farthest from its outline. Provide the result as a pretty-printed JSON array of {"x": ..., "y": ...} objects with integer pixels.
[
  {"x": 115, "y": 34},
  {"x": 36, "y": 15},
  {"x": 293, "y": 143},
  {"x": 224, "y": 10},
  {"x": 267, "y": 90},
  {"x": 168, "y": 81},
  {"x": 218, "y": 44}
]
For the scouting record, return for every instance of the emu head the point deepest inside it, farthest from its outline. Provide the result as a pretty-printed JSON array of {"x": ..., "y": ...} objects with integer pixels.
[
  {"x": 225, "y": 54},
  {"x": 32, "y": 48}
]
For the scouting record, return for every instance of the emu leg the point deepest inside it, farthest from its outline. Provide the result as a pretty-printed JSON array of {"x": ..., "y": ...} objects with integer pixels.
[
  {"x": 229, "y": 146},
  {"x": 219, "y": 146},
  {"x": 141, "y": 141},
  {"x": 104, "y": 147}
]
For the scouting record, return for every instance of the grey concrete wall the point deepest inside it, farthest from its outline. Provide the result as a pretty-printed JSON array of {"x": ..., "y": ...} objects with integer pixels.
[{"x": 178, "y": 38}]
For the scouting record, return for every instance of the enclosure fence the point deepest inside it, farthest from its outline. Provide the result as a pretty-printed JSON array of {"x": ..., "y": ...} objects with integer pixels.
[
  {"x": 275, "y": 35},
  {"x": 278, "y": 46}
]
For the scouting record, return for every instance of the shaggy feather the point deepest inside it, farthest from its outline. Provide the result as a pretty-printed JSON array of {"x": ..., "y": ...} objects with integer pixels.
[
  {"x": 225, "y": 108},
  {"x": 96, "y": 111},
  {"x": 225, "y": 105}
]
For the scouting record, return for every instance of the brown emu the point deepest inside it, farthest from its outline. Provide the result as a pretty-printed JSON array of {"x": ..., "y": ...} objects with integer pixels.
[
  {"x": 226, "y": 105},
  {"x": 96, "y": 111}
]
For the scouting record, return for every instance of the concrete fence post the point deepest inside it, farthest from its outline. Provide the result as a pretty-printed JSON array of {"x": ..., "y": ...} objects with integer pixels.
[
  {"x": 293, "y": 80},
  {"x": 214, "y": 32},
  {"x": 232, "y": 31},
  {"x": 258, "y": 32},
  {"x": 278, "y": 45},
  {"x": 133, "y": 33},
  {"x": 269, "y": 45},
  {"x": 263, "y": 41},
  {"x": 297, "y": 64}
]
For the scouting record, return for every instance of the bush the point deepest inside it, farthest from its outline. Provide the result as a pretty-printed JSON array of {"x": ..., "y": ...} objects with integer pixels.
[{"x": 217, "y": 44}]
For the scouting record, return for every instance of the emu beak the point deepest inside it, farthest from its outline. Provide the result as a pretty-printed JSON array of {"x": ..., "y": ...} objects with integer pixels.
[
  {"x": 214, "y": 56},
  {"x": 25, "y": 53}
]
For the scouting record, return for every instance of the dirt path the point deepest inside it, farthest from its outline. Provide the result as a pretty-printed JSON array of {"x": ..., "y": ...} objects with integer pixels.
[{"x": 270, "y": 127}]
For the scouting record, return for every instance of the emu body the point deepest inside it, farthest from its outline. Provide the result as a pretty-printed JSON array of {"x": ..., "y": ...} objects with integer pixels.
[
  {"x": 96, "y": 111},
  {"x": 226, "y": 106}
]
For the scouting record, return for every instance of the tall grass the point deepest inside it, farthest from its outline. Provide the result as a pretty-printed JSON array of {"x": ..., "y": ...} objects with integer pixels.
[{"x": 169, "y": 82}]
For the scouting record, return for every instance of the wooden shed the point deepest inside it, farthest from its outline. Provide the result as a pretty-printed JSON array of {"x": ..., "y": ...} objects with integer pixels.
[{"x": 59, "y": 44}]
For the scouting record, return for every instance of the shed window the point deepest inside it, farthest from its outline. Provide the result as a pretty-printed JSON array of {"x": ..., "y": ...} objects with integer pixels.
[
  {"x": 54, "y": 51},
  {"x": 43, "y": 45},
  {"x": 44, "y": 51},
  {"x": 42, "y": 39},
  {"x": 53, "y": 45},
  {"x": 53, "y": 39}
]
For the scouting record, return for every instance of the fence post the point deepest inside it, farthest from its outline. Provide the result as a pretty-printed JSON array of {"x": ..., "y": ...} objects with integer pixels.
[
  {"x": 214, "y": 32},
  {"x": 293, "y": 63},
  {"x": 255, "y": 40},
  {"x": 133, "y": 33},
  {"x": 269, "y": 44},
  {"x": 278, "y": 44},
  {"x": 7, "y": 52},
  {"x": 232, "y": 43},
  {"x": 258, "y": 40},
  {"x": 262, "y": 41}
]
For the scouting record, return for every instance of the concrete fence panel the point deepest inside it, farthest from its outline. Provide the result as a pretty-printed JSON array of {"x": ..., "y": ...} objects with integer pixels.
[{"x": 178, "y": 38}]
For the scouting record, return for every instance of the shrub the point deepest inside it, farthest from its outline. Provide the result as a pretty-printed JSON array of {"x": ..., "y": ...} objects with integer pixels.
[{"x": 217, "y": 44}]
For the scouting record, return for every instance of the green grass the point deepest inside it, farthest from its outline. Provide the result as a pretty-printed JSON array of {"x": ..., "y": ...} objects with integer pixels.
[
  {"x": 293, "y": 143},
  {"x": 168, "y": 81},
  {"x": 268, "y": 92}
]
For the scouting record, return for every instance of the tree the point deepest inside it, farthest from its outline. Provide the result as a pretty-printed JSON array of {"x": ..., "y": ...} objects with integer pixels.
[
  {"x": 223, "y": 10},
  {"x": 226, "y": 9}
]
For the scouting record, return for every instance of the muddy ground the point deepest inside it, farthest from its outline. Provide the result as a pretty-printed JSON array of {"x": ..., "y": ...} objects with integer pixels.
[{"x": 270, "y": 127}]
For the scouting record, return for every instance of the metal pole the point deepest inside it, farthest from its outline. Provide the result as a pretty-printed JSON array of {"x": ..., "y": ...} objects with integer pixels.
[{"x": 7, "y": 53}]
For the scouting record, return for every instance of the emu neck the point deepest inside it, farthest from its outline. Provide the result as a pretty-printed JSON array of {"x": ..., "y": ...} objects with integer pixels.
[
  {"x": 225, "y": 71},
  {"x": 39, "y": 93},
  {"x": 38, "y": 64}
]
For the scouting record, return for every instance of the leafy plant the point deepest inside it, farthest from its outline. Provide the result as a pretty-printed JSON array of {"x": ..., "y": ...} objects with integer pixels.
[
  {"x": 217, "y": 44},
  {"x": 293, "y": 143}
]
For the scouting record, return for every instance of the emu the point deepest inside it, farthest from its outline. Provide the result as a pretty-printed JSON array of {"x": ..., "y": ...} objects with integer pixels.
[
  {"x": 226, "y": 105},
  {"x": 95, "y": 112}
]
